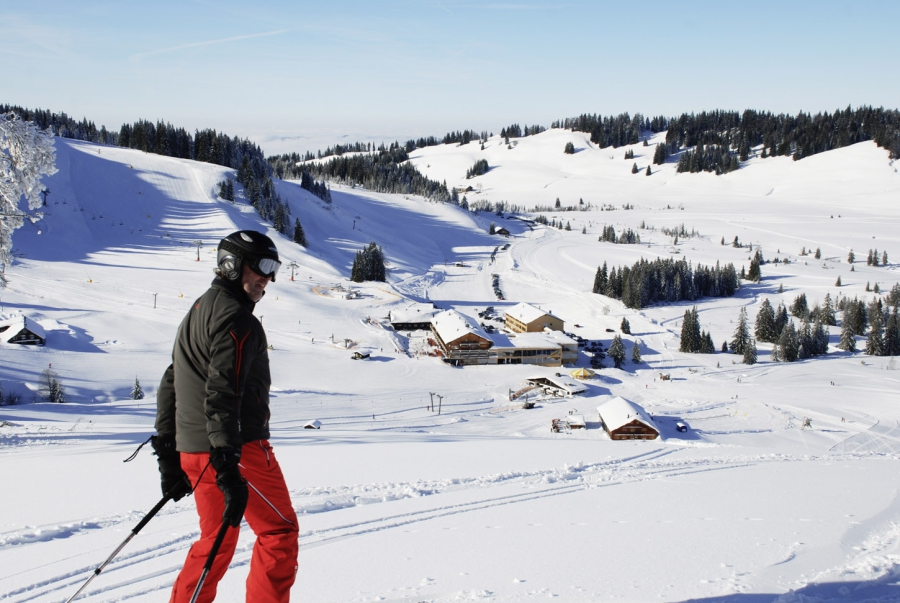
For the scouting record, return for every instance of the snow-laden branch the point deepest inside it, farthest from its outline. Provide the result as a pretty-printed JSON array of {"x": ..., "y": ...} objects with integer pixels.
[{"x": 26, "y": 154}]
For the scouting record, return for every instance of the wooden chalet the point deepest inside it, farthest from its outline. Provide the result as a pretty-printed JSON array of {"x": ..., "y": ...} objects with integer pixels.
[
  {"x": 525, "y": 318},
  {"x": 625, "y": 420},
  {"x": 22, "y": 331},
  {"x": 461, "y": 339}
]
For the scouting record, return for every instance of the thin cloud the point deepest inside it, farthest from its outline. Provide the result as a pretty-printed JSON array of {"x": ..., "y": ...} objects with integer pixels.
[{"x": 143, "y": 55}]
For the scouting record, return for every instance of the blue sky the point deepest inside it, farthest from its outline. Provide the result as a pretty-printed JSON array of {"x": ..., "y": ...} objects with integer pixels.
[{"x": 300, "y": 75}]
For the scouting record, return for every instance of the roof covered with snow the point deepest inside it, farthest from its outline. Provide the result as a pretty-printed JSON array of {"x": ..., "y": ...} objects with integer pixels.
[
  {"x": 413, "y": 313},
  {"x": 562, "y": 382},
  {"x": 538, "y": 340},
  {"x": 527, "y": 313},
  {"x": 15, "y": 324},
  {"x": 450, "y": 325},
  {"x": 618, "y": 412}
]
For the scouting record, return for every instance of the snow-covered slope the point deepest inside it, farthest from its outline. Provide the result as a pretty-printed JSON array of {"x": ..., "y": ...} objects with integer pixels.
[{"x": 481, "y": 501}]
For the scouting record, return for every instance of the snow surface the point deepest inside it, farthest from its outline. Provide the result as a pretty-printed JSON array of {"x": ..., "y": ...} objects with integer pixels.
[{"x": 480, "y": 502}]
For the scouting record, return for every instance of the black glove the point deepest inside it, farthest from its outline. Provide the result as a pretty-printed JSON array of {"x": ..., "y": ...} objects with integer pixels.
[
  {"x": 174, "y": 481},
  {"x": 231, "y": 483}
]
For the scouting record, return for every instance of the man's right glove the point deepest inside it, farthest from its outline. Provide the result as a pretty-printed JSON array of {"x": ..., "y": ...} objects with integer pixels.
[
  {"x": 228, "y": 477},
  {"x": 174, "y": 481}
]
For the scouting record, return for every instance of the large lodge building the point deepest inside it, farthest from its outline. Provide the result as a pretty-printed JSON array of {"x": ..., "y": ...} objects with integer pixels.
[{"x": 536, "y": 337}]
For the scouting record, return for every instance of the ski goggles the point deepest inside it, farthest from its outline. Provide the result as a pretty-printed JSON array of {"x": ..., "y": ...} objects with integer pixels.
[{"x": 264, "y": 267}]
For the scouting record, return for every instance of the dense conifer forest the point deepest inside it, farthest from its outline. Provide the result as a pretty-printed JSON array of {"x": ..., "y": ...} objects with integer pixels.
[
  {"x": 387, "y": 171},
  {"x": 664, "y": 280}
]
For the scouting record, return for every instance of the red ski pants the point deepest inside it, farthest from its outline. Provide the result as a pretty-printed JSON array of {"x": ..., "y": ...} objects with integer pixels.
[{"x": 269, "y": 514}]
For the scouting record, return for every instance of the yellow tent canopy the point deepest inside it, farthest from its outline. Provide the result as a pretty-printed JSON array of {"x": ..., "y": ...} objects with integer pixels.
[{"x": 582, "y": 373}]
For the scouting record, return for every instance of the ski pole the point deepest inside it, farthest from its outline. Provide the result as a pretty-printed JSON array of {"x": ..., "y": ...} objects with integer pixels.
[
  {"x": 209, "y": 560},
  {"x": 119, "y": 548}
]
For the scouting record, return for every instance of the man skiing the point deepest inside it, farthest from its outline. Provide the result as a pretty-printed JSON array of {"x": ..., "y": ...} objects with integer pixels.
[{"x": 213, "y": 428}]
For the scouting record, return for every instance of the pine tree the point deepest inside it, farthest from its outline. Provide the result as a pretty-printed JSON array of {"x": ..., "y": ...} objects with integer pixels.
[
  {"x": 617, "y": 351},
  {"x": 799, "y": 307},
  {"x": 706, "y": 344},
  {"x": 492, "y": 229},
  {"x": 625, "y": 327},
  {"x": 891, "y": 339},
  {"x": 755, "y": 273},
  {"x": 570, "y": 148},
  {"x": 634, "y": 169},
  {"x": 788, "y": 344},
  {"x": 636, "y": 353},
  {"x": 765, "y": 323},
  {"x": 750, "y": 355},
  {"x": 848, "y": 341},
  {"x": 875, "y": 341},
  {"x": 818, "y": 255},
  {"x": 299, "y": 235},
  {"x": 136, "y": 392},
  {"x": 601, "y": 280},
  {"x": 648, "y": 172},
  {"x": 691, "y": 340},
  {"x": 850, "y": 257},
  {"x": 741, "y": 334},
  {"x": 781, "y": 318},
  {"x": 659, "y": 155},
  {"x": 884, "y": 259},
  {"x": 837, "y": 283},
  {"x": 826, "y": 312}
]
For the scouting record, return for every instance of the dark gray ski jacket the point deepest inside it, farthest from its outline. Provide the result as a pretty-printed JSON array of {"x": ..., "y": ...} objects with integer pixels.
[{"x": 216, "y": 391}]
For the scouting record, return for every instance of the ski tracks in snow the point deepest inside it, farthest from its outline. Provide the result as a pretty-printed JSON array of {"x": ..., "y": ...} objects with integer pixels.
[{"x": 132, "y": 575}]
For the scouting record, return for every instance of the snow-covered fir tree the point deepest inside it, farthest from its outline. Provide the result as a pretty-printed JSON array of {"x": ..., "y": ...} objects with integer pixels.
[
  {"x": 617, "y": 351},
  {"x": 741, "y": 333},
  {"x": 765, "y": 322},
  {"x": 136, "y": 392},
  {"x": 848, "y": 340},
  {"x": 750, "y": 354},
  {"x": 26, "y": 155}
]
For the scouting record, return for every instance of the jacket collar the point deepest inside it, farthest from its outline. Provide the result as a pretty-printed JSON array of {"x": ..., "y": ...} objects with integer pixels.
[{"x": 234, "y": 287}]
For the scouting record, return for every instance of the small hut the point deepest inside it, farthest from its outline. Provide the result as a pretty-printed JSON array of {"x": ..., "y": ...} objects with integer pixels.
[
  {"x": 22, "y": 331},
  {"x": 625, "y": 420}
]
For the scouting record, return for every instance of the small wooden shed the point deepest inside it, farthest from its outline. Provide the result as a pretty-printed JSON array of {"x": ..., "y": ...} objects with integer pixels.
[{"x": 625, "y": 420}]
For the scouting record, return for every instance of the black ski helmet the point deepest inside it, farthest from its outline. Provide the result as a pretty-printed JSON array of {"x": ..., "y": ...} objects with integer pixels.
[{"x": 254, "y": 248}]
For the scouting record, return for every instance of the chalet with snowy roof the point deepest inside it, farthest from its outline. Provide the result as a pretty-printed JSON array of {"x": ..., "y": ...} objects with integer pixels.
[
  {"x": 525, "y": 318},
  {"x": 547, "y": 348},
  {"x": 415, "y": 317},
  {"x": 22, "y": 331},
  {"x": 461, "y": 339},
  {"x": 625, "y": 420},
  {"x": 502, "y": 232}
]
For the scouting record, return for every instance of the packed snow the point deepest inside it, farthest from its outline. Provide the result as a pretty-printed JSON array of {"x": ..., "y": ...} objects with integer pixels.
[{"x": 784, "y": 487}]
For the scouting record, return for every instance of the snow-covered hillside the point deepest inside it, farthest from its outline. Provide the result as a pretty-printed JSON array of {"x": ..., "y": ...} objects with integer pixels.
[{"x": 480, "y": 502}]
